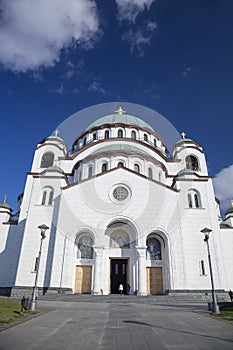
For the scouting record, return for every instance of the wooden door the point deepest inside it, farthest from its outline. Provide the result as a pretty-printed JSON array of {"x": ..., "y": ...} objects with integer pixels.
[
  {"x": 83, "y": 279},
  {"x": 154, "y": 280}
]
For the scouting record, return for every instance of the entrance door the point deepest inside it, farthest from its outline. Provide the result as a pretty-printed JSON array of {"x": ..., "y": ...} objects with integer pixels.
[
  {"x": 83, "y": 279},
  {"x": 118, "y": 275},
  {"x": 154, "y": 280}
]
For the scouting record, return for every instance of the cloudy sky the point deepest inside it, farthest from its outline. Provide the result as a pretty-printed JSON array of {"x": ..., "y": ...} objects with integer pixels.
[{"x": 58, "y": 57}]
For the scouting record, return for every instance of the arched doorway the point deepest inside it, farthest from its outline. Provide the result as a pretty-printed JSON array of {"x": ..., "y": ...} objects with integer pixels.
[
  {"x": 121, "y": 254},
  {"x": 157, "y": 262}
]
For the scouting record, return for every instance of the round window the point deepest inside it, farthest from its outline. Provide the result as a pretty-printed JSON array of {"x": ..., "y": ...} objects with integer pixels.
[{"x": 120, "y": 193}]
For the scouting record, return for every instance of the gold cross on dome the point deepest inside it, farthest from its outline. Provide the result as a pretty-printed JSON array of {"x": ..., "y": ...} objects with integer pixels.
[
  {"x": 120, "y": 111},
  {"x": 183, "y": 135},
  {"x": 56, "y": 132},
  {"x": 5, "y": 198},
  {"x": 232, "y": 203}
]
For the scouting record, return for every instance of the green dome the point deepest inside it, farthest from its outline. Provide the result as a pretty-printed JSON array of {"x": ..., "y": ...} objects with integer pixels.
[
  {"x": 53, "y": 168},
  {"x": 5, "y": 205},
  {"x": 120, "y": 148},
  {"x": 183, "y": 140},
  {"x": 120, "y": 118}
]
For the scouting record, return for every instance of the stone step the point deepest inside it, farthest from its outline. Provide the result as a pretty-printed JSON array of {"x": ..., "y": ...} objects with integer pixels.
[{"x": 132, "y": 298}]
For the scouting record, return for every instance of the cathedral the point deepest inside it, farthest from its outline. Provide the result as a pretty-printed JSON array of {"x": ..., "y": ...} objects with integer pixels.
[{"x": 117, "y": 208}]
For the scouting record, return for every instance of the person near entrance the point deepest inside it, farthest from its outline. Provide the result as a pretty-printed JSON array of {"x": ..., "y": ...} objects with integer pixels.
[{"x": 121, "y": 289}]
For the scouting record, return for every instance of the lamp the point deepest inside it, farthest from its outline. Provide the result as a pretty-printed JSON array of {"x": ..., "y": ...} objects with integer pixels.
[
  {"x": 215, "y": 308},
  {"x": 43, "y": 228}
]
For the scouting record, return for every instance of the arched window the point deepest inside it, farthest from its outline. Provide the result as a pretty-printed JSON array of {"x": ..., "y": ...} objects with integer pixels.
[
  {"x": 47, "y": 196},
  {"x": 192, "y": 163},
  {"x": 155, "y": 143},
  {"x": 120, "y": 133},
  {"x": 94, "y": 136},
  {"x": 50, "y": 201},
  {"x": 84, "y": 141},
  {"x": 106, "y": 134},
  {"x": 90, "y": 170},
  {"x": 145, "y": 137},
  {"x": 47, "y": 160},
  {"x": 194, "y": 199},
  {"x": 44, "y": 198},
  {"x": 150, "y": 173},
  {"x": 85, "y": 248},
  {"x": 160, "y": 176},
  {"x": 190, "y": 200},
  {"x": 133, "y": 135},
  {"x": 137, "y": 168},
  {"x": 104, "y": 167},
  {"x": 153, "y": 248}
]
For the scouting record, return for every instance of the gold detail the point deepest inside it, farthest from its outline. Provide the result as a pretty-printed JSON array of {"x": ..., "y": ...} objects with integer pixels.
[
  {"x": 120, "y": 111},
  {"x": 183, "y": 135},
  {"x": 232, "y": 203}
]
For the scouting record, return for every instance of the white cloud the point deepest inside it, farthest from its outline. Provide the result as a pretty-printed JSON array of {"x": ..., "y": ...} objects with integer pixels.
[
  {"x": 74, "y": 69},
  {"x": 140, "y": 37},
  {"x": 96, "y": 87},
  {"x": 33, "y": 33},
  {"x": 58, "y": 91},
  {"x": 223, "y": 184},
  {"x": 129, "y": 9}
]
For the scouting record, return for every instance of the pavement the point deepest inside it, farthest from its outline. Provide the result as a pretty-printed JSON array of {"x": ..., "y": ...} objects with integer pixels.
[{"x": 119, "y": 323}]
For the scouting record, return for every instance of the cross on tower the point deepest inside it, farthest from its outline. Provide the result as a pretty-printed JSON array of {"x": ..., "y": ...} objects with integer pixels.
[
  {"x": 56, "y": 132},
  {"x": 119, "y": 111},
  {"x": 183, "y": 135}
]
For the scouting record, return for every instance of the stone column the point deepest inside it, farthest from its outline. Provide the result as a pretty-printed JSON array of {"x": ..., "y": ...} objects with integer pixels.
[
  {"x": 142, "y": 289},
  {"x": 97, "y": 278}
]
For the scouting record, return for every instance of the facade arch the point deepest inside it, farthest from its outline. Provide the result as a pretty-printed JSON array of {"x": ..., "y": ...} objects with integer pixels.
[
  {"x": 145, "y": 137},
  {"x": 47, "y": 160},
  {"x": 136, "y": 168},
  {"x": 106, "y": 134},
  {"x": 150, "y": 173},
  {"x": 104, "y": 167},
  {"x": 120, "y": 133},
  {"x": 158, "y": 262},
  {"x": 121, "y": 164},
  {"x": 47, "y": 195},
  {"x": 192, "y": 163},
  {"x": 194, "y": 198},
  {"x": 133, "y": 135}
]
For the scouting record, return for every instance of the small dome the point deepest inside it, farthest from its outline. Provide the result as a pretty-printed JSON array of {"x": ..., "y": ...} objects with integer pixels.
[
  {"x": 5, "y": 205},
  {"x": 54, "y": 137},
  {"x": 184, "y": 172},
  {"x": 184, "y": 140},
  {"x": 120, "y": 148},
  {"x": 53, "y": 168},
  {"x": 120, "y": 118}
]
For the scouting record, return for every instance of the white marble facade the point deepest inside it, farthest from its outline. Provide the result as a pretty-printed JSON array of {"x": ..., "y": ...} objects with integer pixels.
[{"x": 120, "y": 209}]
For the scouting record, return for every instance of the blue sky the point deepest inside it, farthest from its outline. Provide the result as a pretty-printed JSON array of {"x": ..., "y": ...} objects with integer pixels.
[{"x": 58, "y": 57}]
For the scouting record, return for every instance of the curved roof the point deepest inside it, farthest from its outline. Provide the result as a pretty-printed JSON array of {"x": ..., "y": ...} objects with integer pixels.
[
  {"x": 120, "y": 118},
  {"x": 120, "y": 148},
  {"x": 184, "y": 140},
  {"x": 5, "y": 205},
  {"x": 53, "y": 168}
]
